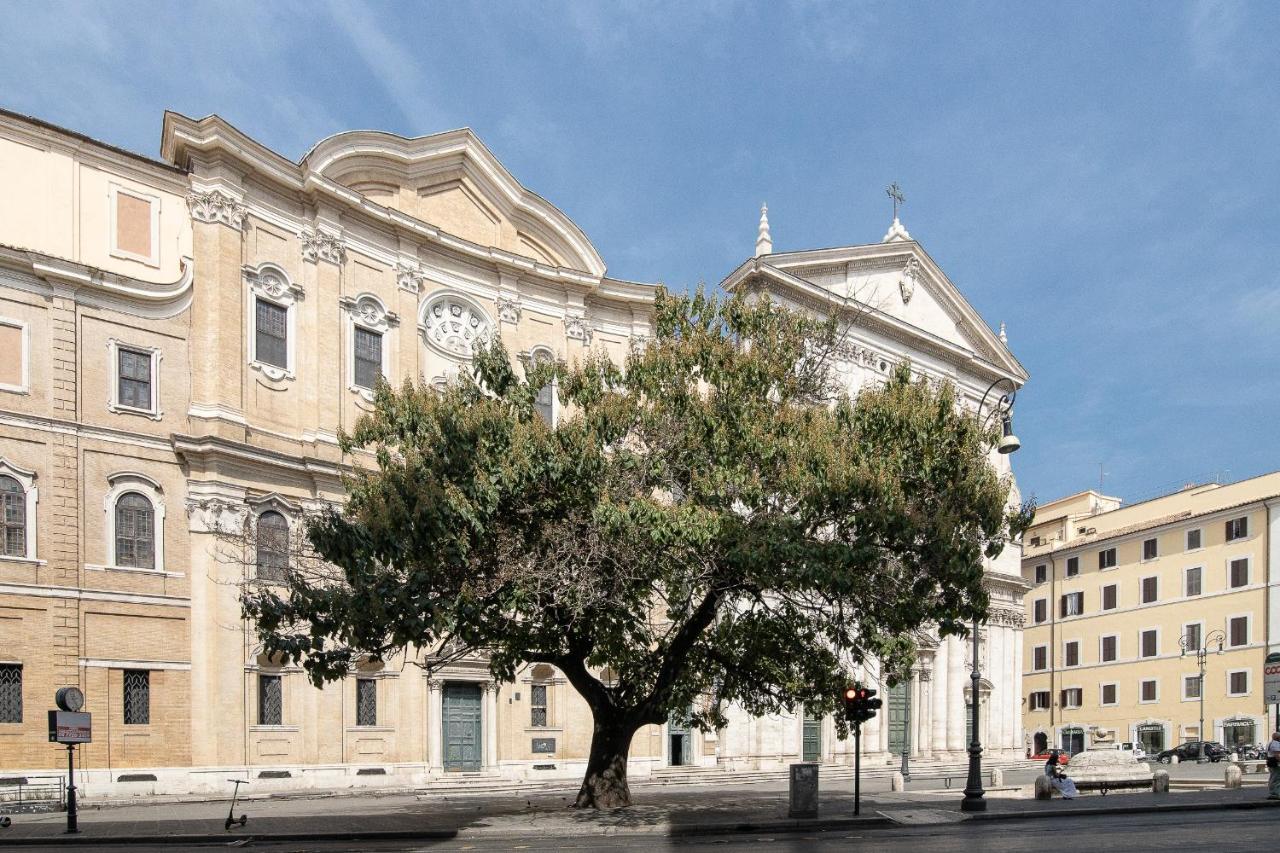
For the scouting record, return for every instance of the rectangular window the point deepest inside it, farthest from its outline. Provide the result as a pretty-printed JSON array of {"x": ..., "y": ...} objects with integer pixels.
[
  {"x": 10, "y": 693},
  {"x": 13, "y": 367},
  {"x": 1073, "y": 604},
  {"x": 1193, "y": 540},
  {"x": 1192, "y": 581},
  {"x": 1150, "y": 549},
  {"x": 137, "y": 697},
  {"x": 1042, "y": 573},
  {"x": 1108, "y": 650},
  {"x": 270, "y": 700},
  {"x": 1071, "y": 653},
  {"x": 366, "y": 702},
  {"x": 1150, "y": 590},
  {"x": 271, "y": 334},
  {"x": 133, "y": 225},
  {"x": 1072, "y": 697},
  {"x": 1191, "y": 687},
  {"x": 1073, "y": 566},
  {"x": 368, "y": 358},
  {"x": 1107, "y": 695},
  {"x": 134, "y": 377},
  {"x": 1150, "y": 690},
  {"x": 1238, "y": 631},
  {"x": 538, "y": 705},
  {"x": 1238, "y": 682},
  {"x": 1040, "y": 700},
  {"x": 1041, "y": 610},
  {"x": 1109, "y": 597},
  {"x": 1150, "y": 644},
  {"x": 1107, "y": 558},
  {"x": 1191, "y": 635},
  {"x": 1239, "y": 573},
  {"x": 1040, "y": 658},
  {"x": 1238, "y": 528}
]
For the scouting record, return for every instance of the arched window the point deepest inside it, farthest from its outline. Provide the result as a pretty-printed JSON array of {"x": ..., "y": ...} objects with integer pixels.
[
  {"x": 13, "y": 518},
  {"x": 273, "y": 546},
  {"x": 545, "y": 402},
  {"x": 135, "y": 531}
]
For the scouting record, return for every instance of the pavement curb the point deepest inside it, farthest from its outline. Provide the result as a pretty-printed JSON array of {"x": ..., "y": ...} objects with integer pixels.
[
  {"x": 83, "y": 839},
  {"x": 1098, "y": 811}
]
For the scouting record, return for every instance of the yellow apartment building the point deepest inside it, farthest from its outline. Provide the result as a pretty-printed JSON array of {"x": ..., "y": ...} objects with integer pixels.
[{"x": 1122, "y": 599}]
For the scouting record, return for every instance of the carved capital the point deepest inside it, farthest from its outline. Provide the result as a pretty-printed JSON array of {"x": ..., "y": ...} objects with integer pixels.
[
  {"x": 577, "y": 329},
  {"x": 217, "y": 207},
  {"x": 509, "y": 309},
  {"x": 320, "y": 246},
  {"x": 410, "y": 277},
  {"x": 639, "y": 343}
]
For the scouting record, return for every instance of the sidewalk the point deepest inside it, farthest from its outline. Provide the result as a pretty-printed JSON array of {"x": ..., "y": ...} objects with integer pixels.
[{"x": 660, "y": 812}]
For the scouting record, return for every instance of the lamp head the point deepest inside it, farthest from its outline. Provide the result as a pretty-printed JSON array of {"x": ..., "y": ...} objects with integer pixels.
[{"x": 1008, "y": 441}]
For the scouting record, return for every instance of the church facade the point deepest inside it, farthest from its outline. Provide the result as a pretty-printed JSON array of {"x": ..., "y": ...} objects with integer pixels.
[{"x": 182, "y": 339}]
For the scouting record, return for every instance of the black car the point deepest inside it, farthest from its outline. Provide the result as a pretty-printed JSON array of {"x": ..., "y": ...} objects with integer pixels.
[{"x": 1190, "y": 751}]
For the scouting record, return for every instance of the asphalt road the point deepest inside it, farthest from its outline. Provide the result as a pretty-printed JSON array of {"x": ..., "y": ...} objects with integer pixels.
[{"x": 1204, "y": 831}]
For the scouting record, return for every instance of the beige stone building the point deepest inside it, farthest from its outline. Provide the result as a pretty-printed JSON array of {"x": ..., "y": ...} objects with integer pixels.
[
  {"x": 182, "y": 339},
  {"x": 1118, "y": 593}
]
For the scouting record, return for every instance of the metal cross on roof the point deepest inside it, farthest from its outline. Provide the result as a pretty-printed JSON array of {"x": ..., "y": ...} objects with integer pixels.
[{"x": 895, "y": 192}]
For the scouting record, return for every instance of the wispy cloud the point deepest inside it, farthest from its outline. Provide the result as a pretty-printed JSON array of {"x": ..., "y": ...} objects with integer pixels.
[{"x": 1213, "y": 31}]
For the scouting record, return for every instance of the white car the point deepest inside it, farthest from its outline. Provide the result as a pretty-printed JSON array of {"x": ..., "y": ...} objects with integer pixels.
[{"x": 1134, "y": 749}]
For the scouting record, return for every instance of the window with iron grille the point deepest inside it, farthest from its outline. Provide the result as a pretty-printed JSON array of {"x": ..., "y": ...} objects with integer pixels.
[
  {"x": 1109, "y": 648},
  {"x": 1193, "y": 581},
  {"x": 1107, "y": 558},
  {"x": 1150, "y": 690},
  {"x": 1041, "y": 610},
  {"x": 538, "y": 705},
  {"x": 1237, "y": 528},
  {"x": 134, "y": 379},
  {"x": 270, "y": 700},
  {"x": 1073, "y": 566},
  {"x": 368, "y": 363},
  {"x": 271, "y": 342},
  {"x": 137, "y": 697},
  {"x": 1071, "y": 653},
  {"x": 1191, "y": 687},
  {"x": 1193, "y": 539},
  {"x": 135, "y": 532},
  {"x": 273, "y": 546},
  {"x": 1072, "y": 697},
  {"x": 1240, "y": 573},
  {"x": 1109, "y": 597},
  {"x": 10, "y": 693},
  {"x": 1107, "y": 695},
  {"x": 1150, "y": 549},
  {"x": 1040, "y": 700},
  {"x": 1191, "y": 635},
  {"x": 13, "y": 518},
  {"x": 1238, "y": 682},
  {"x": 366, "y": 702},
  {"x": 1150, "y": 643},
  {"x": 1238, "y": 631}
]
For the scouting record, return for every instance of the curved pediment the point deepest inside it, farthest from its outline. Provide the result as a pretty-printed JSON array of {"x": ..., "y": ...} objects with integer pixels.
[{"x": 452, "y": 181}]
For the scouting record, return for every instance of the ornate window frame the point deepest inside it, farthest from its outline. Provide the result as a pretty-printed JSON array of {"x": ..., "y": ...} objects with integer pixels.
[
  {"x": 463, "y": 301},
  {"x": 114, "y": 190},
  {"x": 121, "y": 484},
  {"x": 24, "y": 332},
  {"x": 27, "y": 480},
  {"x": 114, "y": 405},
  {"x": 370, "y": 313},
  {"x": 270, "y": 502},
  {"x": 538, "y": 354},
  {"x": 270, "y": 283}
]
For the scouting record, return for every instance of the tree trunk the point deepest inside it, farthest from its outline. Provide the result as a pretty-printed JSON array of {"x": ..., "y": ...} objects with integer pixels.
[{"x": 605, "y": 784}]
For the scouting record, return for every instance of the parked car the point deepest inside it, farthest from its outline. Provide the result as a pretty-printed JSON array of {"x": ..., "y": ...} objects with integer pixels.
[
  {"x": 1064, "y": 757},
  {"x": 1190, "y": 751},
  {"x": 1134, "y": 749}
]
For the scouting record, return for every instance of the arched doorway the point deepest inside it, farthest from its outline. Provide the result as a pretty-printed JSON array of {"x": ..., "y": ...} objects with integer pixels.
[{"x": 1040, "y": 743}]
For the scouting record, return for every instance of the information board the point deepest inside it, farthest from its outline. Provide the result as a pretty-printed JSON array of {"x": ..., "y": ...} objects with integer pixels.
[
  {"x": 1271, "y": 679},
  {"x": 70, "y": 727}
]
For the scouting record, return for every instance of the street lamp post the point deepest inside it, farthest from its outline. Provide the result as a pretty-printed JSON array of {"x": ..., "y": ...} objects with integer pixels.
[
  {"x": 973, "y": 794},
  {"x": 1200, "y": 647}
]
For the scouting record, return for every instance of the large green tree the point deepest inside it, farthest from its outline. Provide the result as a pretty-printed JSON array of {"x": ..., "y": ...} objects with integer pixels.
[{"x": 713, "y": 521}]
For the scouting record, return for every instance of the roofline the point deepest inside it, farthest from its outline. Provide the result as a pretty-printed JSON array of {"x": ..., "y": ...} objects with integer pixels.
[{"x": 106, "y": 146}]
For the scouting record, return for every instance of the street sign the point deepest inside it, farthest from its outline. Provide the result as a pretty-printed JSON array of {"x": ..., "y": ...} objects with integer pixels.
[
  {"x": 70, "y": 727},
  {"x": 1271, "y": 679}
]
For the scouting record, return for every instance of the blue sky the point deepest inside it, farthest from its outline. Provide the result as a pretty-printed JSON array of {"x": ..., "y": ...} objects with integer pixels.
[{"x": 1103, "y": 177}]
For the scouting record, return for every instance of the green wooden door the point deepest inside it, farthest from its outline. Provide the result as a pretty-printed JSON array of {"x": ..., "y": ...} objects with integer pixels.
[
  {"x": 462, "y": 739},
  {"x": 898, "y": 711},
  {"x": 812, "y": 749}
]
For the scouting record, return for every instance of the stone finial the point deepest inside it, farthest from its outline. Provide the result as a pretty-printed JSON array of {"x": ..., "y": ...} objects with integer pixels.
[
  {"x": 764, "y": 242},
  {"x": 1004, "y": 338},
  {"x": 897, "y": 233}
]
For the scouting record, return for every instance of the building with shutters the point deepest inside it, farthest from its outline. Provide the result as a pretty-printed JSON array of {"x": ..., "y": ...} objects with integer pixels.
[
  {"x": 182, "y": 338},
  {"x": 1119, "y": 592}
]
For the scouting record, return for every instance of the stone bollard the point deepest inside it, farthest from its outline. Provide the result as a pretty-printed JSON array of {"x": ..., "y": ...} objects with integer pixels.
[
  {"x": 997, "y": 778},
  {"x": 1160, "y": 782},
  {"x": 896, "y": 782},
  {"x": 1044, "y": 789},
  {"x": 1173, "y": 759},
  {"x": 1232, "y": 777}
]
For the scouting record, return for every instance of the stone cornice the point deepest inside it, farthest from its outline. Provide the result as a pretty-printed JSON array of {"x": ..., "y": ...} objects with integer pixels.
[{"x": 90, "y": 285}]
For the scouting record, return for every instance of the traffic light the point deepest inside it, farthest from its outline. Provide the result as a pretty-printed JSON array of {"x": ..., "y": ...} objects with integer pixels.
[{"x": 860, "y": 703}]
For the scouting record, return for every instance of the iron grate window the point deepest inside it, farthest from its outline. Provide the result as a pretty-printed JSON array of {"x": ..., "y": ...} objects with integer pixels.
[
  {"x": 135, "y": 532},
  {"x": 366, "y": 702},
  {"x": 368, "y": 364},
  {"x": 13, "y": 518},
  {"x": 137, "y": 697},
  {"x": 10, "y": 693},
  {"x": 272, "y": 334},
  {"x": 134, "y": 388},
  {"x": 273, "y": 546},
  {"x": 270, "y": 700},
  {"x": 538, "y": 701}
]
